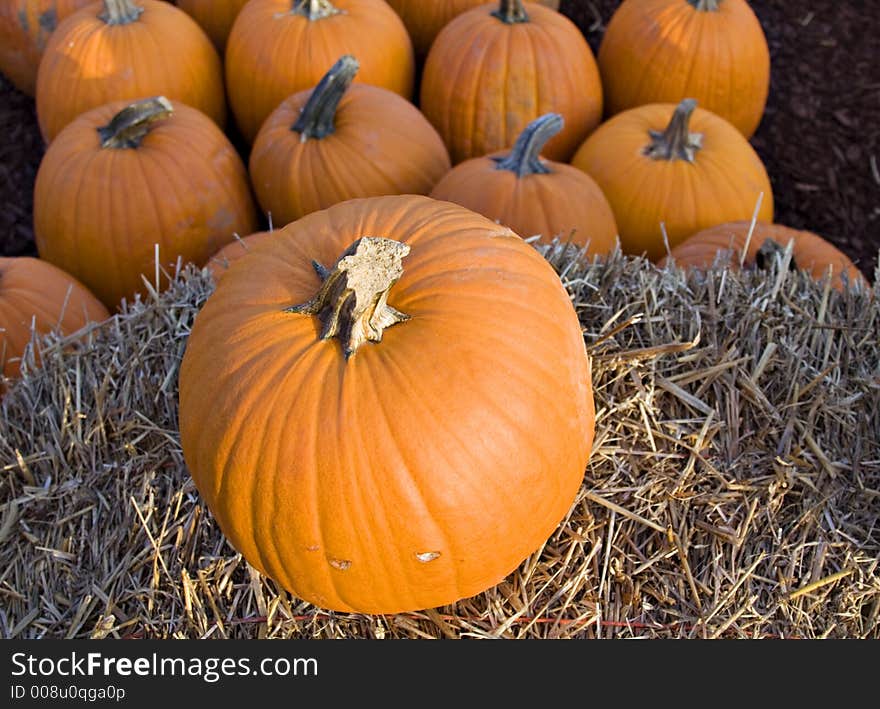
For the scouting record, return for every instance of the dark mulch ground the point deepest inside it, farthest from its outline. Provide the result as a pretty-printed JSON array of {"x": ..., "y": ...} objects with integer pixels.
[{"x": 820, "y": 137}]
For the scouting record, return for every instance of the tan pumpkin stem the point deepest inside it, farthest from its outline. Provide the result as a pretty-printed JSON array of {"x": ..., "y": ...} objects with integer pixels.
[
  {"x": 128, "y": 127},
  {"x": 352, "y": 302},
  {"x": 318, "y": 117},
  {"x": 120, "y": 12},
  {"x": 314, "y": 9},
  {"x": 705, "y": 5},
  {"x": 768, "y": 252},
  {"x": 525, "y": 159},
  {"x": 511, "y": 12},
  {"x": 676, "y": 142}
]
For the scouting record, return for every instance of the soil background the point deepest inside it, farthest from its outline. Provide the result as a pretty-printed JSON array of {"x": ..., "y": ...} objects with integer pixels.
[{"x": 820, "y": 136}]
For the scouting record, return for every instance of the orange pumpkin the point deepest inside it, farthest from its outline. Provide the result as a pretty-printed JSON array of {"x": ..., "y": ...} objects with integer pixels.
[
  {"x": 127, "y": 49},
  {"x": 219, "y": 263},
  {"x": 424, "y": 20},
  {"x": 338, "y": 142},
  {"x": 279, "y": 47},
  {"x": 25, "y": 26},
  {"x": 810, "y": 252},
  {"x": 214, "y": 17},
  {"x": 497, "y": 67},
  {"x": 658, "y": 51},
  {"x": 693, "y": 174},
  {"x": 401, "y": 429},
  {"x": 36, "y": 295},
  {"x": 122, "y": 178},
  {"x": 534, "y": 196}
]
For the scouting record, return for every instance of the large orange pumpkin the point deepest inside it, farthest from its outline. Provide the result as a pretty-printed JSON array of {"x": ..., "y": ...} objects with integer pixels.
[
  {"x": 337, "y": 142},
  {"x": 810, "y": 252},
  {"x": 497, "y": 67},
  {"x": 36, "y": 295},
  {"x": 127, "y": 49},
  {"x": 534, "y": 196},
  {"x": 678, "y": 166},
  {"x": 122, "y": 178},
  {"x": 424, "y": 20},
  {"x": 406, "y": 404},
  {"x": 220, "y": 262},
  {"x": 25, "y": 26},
  {"x": 279, "y": 47},
  {"x": 214, "y": 16},
  {"x": 659, "y": 51}
]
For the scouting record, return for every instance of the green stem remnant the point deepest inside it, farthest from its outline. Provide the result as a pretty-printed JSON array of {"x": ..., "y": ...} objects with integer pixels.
[
  {"x": 128, "y": 127},
  {"x": 511, "y": 12},
  {"x": 318, "y": 117},
  {"x": 120, "y": 12},
  {"x": 314, "y": 9},
  {"x": 676, "y": 142},
  {"x": 352, "y": 302},
  {"x": 705, "y": 5},
  {"x": 525, "y": 159}
]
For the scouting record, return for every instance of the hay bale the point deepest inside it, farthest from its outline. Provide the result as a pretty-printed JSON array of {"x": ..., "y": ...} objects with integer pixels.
[{"x": 733, "y": 491}]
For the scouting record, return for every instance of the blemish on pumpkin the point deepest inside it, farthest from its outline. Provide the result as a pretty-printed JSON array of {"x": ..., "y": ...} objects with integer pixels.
[
  {"x": 48, "y": 20},
  {"x": 313, "y": 547},
  {"x": 341, "y": 564},
  {"x": 23, "y": 20},
  {"x": 427, "y": 556}
]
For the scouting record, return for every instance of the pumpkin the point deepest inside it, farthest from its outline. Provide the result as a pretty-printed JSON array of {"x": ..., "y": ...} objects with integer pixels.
[
  {"x": 279, "y": 47},
  {"x": 214, "y": 17},
  {"x": 810, "y": 252},
  {"x": 407, "y": 404},
  {"x": 424, "y": 20},
  {"x": 338, "y": 142},
  {"x": 679, "y": 166},
  {"x": 219, "y": 263},
  {"x": 25, "y": 26},
  {"x": 534, "y": 196},
  {"x": 126, "y": 49},
  {"x": 658, "y": 51},
  {"x": 123, "y": 178},
  {"x": 497, "y": 67},
  {"x": 37, "y": 295}
]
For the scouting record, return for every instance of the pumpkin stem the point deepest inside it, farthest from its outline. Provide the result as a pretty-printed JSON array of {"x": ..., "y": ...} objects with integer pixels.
[
  {"x": 128, "y": 127},
  {"x": 676, "y": 142},
  {"x": 768, "y": 251},
  {"x": 511, "y": 12},
  {"x": 352, "y": 302},
  {"x": 120, "y": 12},
  {"x": 525, "y": 159},
  {"x": 705, "y": 5},
  {"x": 318, "y": 117},
  {"x": 314, "y": 9}
]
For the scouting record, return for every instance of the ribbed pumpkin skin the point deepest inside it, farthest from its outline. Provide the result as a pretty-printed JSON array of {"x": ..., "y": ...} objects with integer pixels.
[
  {"x": 553, "y": 204},
  {"x": 723, "y": 184},
  {"x": 99, "y": 212},
  {"x": 382, "y": 145},
  {"x": 214, "y": 16},
  {"x": 485, "y": 80},
  {"x": 36, "y": 292},
  {"x": 220, "y": 262},
  {"x": 465, "y": 432},
  {"x": 88, "y": 63},
  {"x": 424, "y": 20},
  {"x": 25, "y": 26},
  {"x": 810, "y": 251},
  {"x": 660, "y": 51},
  {"x": 272, "y": 54}
]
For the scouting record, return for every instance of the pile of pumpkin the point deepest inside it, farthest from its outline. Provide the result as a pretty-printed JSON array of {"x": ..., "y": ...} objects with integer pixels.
[{"x": 423, "y": 470}]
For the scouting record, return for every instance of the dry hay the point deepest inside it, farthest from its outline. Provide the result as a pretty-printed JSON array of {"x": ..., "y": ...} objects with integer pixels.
[{"x": 734, "y": 488}]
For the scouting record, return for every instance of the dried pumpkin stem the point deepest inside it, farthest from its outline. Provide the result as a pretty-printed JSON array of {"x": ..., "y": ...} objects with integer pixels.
[
  {"x": 120, "y": 12},
  {"x": 352, "y": 302},
  {"x": 676, "y": 142},
  {"x": 314, "y": 9},
  {"x": 511, "y": 12},
  {"x": 128, "y": 127},
  {"x": 318, "y": 117},
  {"x": 768, "y": 252},
  {"x": 705, "y": 5},
  {"x": 525, "y": 159}
]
